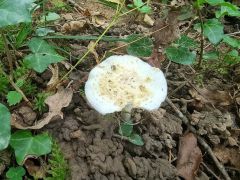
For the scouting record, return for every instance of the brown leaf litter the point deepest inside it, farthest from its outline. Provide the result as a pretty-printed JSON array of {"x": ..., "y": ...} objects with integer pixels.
[
  {"x": 228, "y": 155},
  {"x": 55, "y": 103},
  {"x": 189, "y": 157}
]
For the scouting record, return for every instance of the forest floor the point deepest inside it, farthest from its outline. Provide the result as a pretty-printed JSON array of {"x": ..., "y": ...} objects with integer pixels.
[{"x": 195, "y": 134}]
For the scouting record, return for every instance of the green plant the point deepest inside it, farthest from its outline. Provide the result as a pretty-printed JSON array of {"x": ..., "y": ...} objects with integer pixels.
[
  {"x": 141, "y": 6},
  {"x": 212, "y": 29},
  {"x": 126, "y": 130},
  {"x": 15, "y": 173},
  {"x": 57, "y": 163},
  {"x": 39, "y": 102},
  {"x": 24, "y": 145}
]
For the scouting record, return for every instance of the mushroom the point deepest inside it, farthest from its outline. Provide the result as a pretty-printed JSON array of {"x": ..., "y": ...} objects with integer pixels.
[{"x": 125, "y": 80}]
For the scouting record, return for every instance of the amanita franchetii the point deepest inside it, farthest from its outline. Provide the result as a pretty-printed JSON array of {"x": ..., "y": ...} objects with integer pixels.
[{"x": 120, "y": 81}]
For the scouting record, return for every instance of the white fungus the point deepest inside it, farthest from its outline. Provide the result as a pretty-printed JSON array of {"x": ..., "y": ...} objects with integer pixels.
[{"x": 122, "y": 80}]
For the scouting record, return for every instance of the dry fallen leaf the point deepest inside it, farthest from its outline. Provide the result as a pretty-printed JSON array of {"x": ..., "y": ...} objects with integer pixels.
[
  {"x": 167, "y": 35},
  {"x": 148, "y": 20},
  {"x": 54, "y": 78},
  {"x": 228, "y": 155},
  {"x": 189, "y": 157},
  {"x": 36, "y": 171},
  {"x": 74, "y": 26},
  {"x": 55, "y": 103},
  {"x": 214, "y": 97},
  {"x": 99, "y": 20}
]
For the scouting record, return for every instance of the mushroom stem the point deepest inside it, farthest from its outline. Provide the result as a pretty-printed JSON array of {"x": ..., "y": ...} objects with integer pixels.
[{"x": 126, "y": 113}]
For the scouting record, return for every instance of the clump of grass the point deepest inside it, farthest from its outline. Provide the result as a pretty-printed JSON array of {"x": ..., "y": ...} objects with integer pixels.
[
  {"x": 58, "y": 165},
  {"x": 39, "y": 102}
]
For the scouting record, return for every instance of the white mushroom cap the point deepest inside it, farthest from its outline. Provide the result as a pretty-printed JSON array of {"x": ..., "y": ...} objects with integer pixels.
[{"x": 122, "y": 80}]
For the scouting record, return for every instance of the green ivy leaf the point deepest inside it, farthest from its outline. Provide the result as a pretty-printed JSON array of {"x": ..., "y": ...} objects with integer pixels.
[
  {"x": 180, "y": 55},
  {"x": 51, "y": 16},
  {"x": 235, "y": 43},
  {"x": 185, "y": 41},
  {"x": 232, "y": 57},
  {"x": 25, "y": 144},
  {"x": 5, "y": 132},
  {"x": 136, "y": 139},
  {"x": 229, "y": 9},
  {"x": 141, "y": 48},
  {"x": 13, "y": 97},
  {"x": 213, "y": 30},
  {"x": 44, "y": 31},
  {"x": 42, "y": 56},
  {"x": 145, "y": 9},
  {"x": 213, "y": 55},
  {"x": 125, "y": 128},
  {"x": 15, "y": 173},
  {"x": 13, "y": 12}
]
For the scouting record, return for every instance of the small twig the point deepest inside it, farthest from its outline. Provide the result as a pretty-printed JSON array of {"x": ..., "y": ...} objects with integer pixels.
[
  {"x": 76, "y": 5},
  {"x": 200, "y": 140},
  {"x": 7, "y": 51},
  {"x": 234, "y": 33},
  {"x": 20, "y": 91},
  {"x": 210, "y": 171},
  {"x": 202, "y": 39}
]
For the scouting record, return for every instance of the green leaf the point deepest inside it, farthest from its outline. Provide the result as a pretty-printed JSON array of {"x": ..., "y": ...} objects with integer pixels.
[
  {"x": 232, "y": 57},
  {"x": 5, "y": 132},
  {"x": 180, "y": 55},
  {"x": 229, "y": 9},
  {"x": 13, "y": 12},
  {"x": 145, "y": 9},
  {"x": 125, "y": 128},
  {"x": 138, "y": 3},
  {"x": 44, "y": 31},
  {"x": 42, "y": 56},
  {"x": 24, "y": 144},
  {"x": 213, "y": 30},
  {"x": 15, "y": 173},
  {"x": 185, "y": 41},
  {"x": 142, "y": 7},
  {"x": 51, "y": 16},
  {"x": 20, "y": 83},
  {"x": 213, "y": 55},
  {"x": 141, "y": 48},
  {"x": 136, "y": 139},
  {"x": 13, "y": 97},
  {"x": 232, "y": 41},
  {"x": 22, "y": 35}
]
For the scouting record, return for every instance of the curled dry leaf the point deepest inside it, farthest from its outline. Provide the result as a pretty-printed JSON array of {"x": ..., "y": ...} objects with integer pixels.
[
  {"x": 36, "y": 170},
  {"x": 54, "y": 78},
  {"x": 228, "y": 155},
  {"x": 214, "y": 97},
  {"x": 55, "y": 103},
  {"x": 74, "y": 26},
  {"x": 148, "y": 20},
  {"x": 189, "y": 157},
  {"x": 99, "y": 20}
]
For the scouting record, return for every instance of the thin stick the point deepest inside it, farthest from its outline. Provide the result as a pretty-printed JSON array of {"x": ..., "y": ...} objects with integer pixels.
[
  {"x": 202, "y": 39},
  {"x": 210, "y": 171},
  {"x": 7, "y": 51},
  {"x": 200, "y": 140}
]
